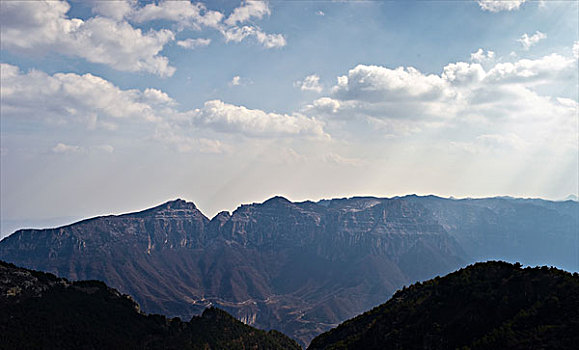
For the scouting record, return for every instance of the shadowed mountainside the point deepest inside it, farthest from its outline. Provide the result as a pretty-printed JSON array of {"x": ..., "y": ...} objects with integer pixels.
[
  {"x": 300, "y": 268},
  {"x": 493, "y": 305},
  {"x": 41, "y": 311}
]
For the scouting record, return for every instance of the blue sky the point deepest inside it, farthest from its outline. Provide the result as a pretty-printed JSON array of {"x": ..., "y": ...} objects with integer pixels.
[{"x": 111, "y": 106}]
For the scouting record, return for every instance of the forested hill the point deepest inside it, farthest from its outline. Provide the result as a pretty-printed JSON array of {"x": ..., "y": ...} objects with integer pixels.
[
  {"x": 492, "y": 305},
  {"x": 40, "y": 311}
]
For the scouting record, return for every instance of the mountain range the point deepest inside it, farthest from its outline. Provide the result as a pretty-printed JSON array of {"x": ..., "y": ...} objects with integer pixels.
[{"x": 301, "y": 268}]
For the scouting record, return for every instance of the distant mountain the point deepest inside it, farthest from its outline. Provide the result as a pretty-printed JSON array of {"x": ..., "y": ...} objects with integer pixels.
[
  {"x": 493, "y": 305},
  {"x": 41, "y": 311},
  {"x": 300, "y": 268}
]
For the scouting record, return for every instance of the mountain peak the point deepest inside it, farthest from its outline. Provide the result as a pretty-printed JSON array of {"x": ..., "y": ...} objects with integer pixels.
[
  {"x": 277, "y": 200},
  {"x": 177, "y": 204}
]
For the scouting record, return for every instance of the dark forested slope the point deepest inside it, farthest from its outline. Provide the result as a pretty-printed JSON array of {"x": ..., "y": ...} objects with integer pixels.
[
  {"x": 41, "y": 311},
  {"x": 493, "y": 305}
]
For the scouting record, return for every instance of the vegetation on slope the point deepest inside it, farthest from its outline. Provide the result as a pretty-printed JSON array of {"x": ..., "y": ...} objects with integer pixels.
[
  {"x": 40, "y": 311},
  {"x": 492, "y": 305}
]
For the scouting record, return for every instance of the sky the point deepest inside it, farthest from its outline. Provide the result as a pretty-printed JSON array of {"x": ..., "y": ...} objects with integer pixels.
[{"x": 116, "y": 106}]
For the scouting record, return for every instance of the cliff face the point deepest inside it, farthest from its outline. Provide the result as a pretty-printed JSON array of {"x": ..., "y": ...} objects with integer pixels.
[{"x": 300, "y": 268}]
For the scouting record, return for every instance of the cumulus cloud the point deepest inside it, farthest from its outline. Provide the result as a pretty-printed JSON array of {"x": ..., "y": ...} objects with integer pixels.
[
  {"x": 185, "y": 13},
  {"x": 403, "y": 101},
  {"x": 310, "y": 83},
  {"x": 236, "y": 81},
  {"x": 39, "y": 27},
  {"x": 117, "y": 10},
  {"x": 237, "y": 34},
  {"x": 404, "y": 91},
  {"x": 461, "y": 73},
  {"x": 224, "y": 117},
  {"x": 248, "y": 10},
  {"x": 66, "y": 98},
  {"x": 157, "y": 97},
  {"x": 193, "y": 43},
  {"x": 326, "y": 105},
  {"x": 500, "y": 5},
  {"x": 576, "y": 49},
  {"x": 543, "y": 70},
  {"x": 528, "y": 41},
  {"x": 197, "y": 16},
  {"x": 376, "y": 83},
  {"x": 481, "y": 56}
]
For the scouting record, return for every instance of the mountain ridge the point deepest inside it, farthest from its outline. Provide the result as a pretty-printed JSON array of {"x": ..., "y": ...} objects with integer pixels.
[{"x": 319, "y": 202}]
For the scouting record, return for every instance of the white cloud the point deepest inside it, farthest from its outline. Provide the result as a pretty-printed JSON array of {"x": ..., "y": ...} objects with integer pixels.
[
  {"x": 65, "y": 97},
  {"x": 310, "y": 83},
  {"x": 236, "y": 81},
  {"x": 118, "y": 9},
  {"x": 224, "y": 117},
  {"x": 481, "y": 56},
  {"x": 576, "y": 49},
  {"x": 63, "y": 148},
  {"x": 320, "y": 13},
  {"x": 247, "y": 10},
  {"x": 237, "y": 34},
  {"x": 185, "y": 13},
  {"x": 505, "y": 97},
  {"x": 462, "y": 73},
  {"x": 193, "y": 43},
  {"x": 39, "y": 27},
  {"x": 88, "y": 100},
  {"x": 326, "y": 105},
  {"x": 376, "y": 83},
  {"x": 525, "y": 71},
  {"x": 405, "y": 91},
  {"x": 197, "y": 16},
  {"x": 500, "y": 5},
  {"x": 528, "y": 41},
  {"x": 270, "y": 41},
  {"x": 157, "y": 97}
]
